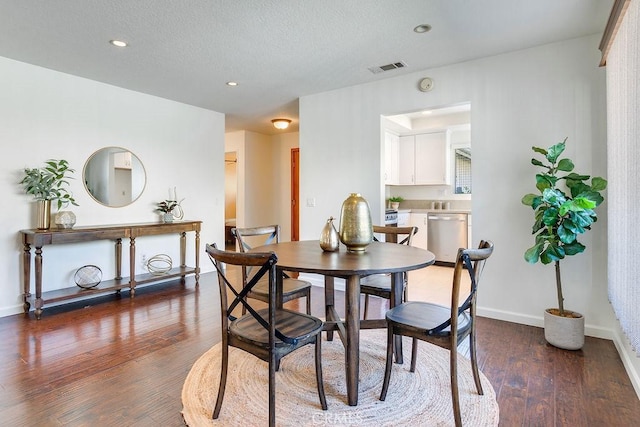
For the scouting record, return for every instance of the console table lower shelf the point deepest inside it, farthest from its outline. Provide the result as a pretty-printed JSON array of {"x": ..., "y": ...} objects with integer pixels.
[{"x": 39, "y": 238}]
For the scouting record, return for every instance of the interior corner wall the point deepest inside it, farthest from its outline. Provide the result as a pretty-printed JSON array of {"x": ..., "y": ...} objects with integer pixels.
[
  {"x": 46, "y": 114},
  {"x": 532, "y": 97}
]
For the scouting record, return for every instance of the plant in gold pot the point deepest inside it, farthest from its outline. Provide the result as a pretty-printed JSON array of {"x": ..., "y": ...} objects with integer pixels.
[
  {"x": 563, "y": 210},
  {"x": 49, "y": 184}
]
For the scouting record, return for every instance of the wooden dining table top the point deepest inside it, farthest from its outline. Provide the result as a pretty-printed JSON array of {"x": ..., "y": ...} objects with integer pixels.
[{"x": 379, "y": 257}]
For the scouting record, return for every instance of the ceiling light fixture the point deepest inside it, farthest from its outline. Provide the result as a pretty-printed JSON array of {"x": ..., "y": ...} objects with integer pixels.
[
  {"x": 118, "y": 43},
  {"x": 280, "y": 123},
  {"x": 232, "y": 83},
  {"x": 424, "y": 28}
]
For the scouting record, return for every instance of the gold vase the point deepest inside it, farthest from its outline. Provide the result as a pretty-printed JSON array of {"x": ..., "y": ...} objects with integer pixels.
[
  {"x": 356, "y": 229},
  {"x": 43, "y": 214},
  {"x": 329, "y": 238}
]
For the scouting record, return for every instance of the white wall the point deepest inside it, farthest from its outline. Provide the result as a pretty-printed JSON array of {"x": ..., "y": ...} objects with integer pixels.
[
  {"x": 46, "y": 114},
  {"x": 531, "y": 97}
]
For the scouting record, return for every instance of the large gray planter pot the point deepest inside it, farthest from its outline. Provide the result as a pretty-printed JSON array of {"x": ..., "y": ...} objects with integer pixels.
[{"x": 564, "y": 332}]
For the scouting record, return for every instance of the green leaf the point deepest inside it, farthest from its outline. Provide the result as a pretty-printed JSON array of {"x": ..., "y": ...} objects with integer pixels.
[
  {"x": 528, "y": 199},
  {"x": 574, "y": 248},
  {"x": 550, "y": 216},
  {"x": 598, "y": 183},
  {"x": 533, "y": 253},
  {"x": 555, "y": 151},
  {"x": 566, "y": 235},
  {"x": 582, "y": 203},
  {"x": 565, "y": 165},
  {"x": 552, "y": 253},
  {"x": 537, "y": 162},
  {"x": 540, "y": 150}
]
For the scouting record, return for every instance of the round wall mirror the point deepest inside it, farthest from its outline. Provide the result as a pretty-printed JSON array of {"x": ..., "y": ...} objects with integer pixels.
[{"x": 114, "y": 176}]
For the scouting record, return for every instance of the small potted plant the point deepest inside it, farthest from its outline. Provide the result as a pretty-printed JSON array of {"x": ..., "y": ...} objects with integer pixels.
[
  {"x": 560, "y": 217},
  {"x": 166, "y": 208},
  {"x": 394, "y": 201},
  {"x": 47, "y": 184}
]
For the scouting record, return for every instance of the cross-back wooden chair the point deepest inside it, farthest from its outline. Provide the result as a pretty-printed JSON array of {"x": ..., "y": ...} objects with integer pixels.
[
  {"x": 379, "y": 285},
  {"x": 291, "y": 288},
  {"x": 269, "y": 333},
  {"x": 443, "y": 326}
]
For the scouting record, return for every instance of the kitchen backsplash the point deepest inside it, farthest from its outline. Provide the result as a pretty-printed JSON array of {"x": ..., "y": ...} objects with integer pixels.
[{"x": 427, "y": 204}]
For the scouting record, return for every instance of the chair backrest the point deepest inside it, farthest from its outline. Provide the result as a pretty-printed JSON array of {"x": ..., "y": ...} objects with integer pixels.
[
  {"x": 249, "y": 238},
  {"x": 265, "y": 267},
  {"x": 401, "y": 235},
  {"x": 256, "y": 236}
]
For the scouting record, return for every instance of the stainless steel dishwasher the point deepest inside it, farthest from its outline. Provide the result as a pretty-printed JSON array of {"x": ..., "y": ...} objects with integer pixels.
[{"x": 446, "y": 233}]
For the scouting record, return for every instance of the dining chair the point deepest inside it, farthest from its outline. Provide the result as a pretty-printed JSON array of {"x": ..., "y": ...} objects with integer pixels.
[
  {"x": 443, "y": 326},
  {"x": 379, "y": 285},
  {"x": 268, "y": 333},
  {"x": 291, "y": 288}
]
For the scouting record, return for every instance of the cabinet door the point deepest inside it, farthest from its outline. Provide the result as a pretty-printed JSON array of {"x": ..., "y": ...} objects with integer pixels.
[
  {"x": 391, "y": 142},
  {"x": 406, "y": 160},
  {"x": 419, "y": 220},
  {"x": 432, "y": 159}
]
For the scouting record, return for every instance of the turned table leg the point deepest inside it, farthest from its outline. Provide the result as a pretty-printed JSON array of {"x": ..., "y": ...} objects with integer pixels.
[{"x": 26, "y": 277}]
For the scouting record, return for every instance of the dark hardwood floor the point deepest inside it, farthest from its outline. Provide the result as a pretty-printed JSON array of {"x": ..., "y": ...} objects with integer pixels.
[{"x": 116, "y": 361}]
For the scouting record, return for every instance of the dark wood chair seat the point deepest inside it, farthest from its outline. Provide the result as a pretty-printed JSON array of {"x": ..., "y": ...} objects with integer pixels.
[
  {"x": 424, "y": 316},
  {"x": 445, "y": 327},
  {"x": 379, "y": 285},
  {"x": 297, "y": 326}
]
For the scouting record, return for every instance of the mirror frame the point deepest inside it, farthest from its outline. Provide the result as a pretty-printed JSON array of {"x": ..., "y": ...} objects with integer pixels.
[{"x": 110, "y": 170}]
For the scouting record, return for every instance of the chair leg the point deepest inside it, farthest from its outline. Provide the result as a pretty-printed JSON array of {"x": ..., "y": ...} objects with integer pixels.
[
  {"x": 474, "y": 362},
  {"x": 366, "y": 306},
  {"x": 223, "y": 381},
  {"x": 323, "y": 399},
  {"x": 272, "y": 389},
  {"x": 387, "y": 369},
  {"x": 455, "y": 398},
  {"x": 414, "y": 354},
  {"x": 308, "y": 298}
]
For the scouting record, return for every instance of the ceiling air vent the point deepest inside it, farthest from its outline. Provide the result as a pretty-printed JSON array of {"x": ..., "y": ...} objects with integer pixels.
[{"x": 388, "y": 67}]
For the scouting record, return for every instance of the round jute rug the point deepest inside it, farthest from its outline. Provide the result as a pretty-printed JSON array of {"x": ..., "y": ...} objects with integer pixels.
[{"x": 422, "y": 398}]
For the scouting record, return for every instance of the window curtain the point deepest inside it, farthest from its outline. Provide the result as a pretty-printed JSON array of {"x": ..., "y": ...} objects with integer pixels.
[{"x": 623, "y": 165}]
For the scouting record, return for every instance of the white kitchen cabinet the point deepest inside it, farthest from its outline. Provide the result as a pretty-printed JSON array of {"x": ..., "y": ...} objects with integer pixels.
[
  {"x": 403, "y": 219},
  {"x": 419, "y": 220},
  {"x": 122, "y": 160},
  {"x": 423, "y": 159},
  {"x": 391, "y": 142}
]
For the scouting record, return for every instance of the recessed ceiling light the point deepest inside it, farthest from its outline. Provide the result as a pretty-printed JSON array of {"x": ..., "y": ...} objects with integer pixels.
[
  {"x": 426, "y": 112},
  {"x": 424, "y": 28},
  {"x": 118, "y": 43},
  {"x": 232, "y": 83}
]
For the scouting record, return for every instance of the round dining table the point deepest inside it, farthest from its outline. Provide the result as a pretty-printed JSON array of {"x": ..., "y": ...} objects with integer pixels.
[{"x": 378, "y": 258}]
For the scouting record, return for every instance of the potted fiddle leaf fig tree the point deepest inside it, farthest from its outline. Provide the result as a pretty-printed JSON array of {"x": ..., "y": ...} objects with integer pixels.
[{"x": 563, "y": 209}]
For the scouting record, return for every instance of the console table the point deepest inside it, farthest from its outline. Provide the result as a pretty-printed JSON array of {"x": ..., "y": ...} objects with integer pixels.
[{"x": 40, "y": 238}]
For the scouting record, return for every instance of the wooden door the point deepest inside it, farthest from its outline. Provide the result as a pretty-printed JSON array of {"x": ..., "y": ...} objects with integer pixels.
[{"x": 295, "y": 189}]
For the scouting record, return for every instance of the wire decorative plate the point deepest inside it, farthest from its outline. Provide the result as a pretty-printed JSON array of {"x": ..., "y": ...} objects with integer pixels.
[
  {"x": 88, "y": 276},
  {"x": 159, "y": 264}
]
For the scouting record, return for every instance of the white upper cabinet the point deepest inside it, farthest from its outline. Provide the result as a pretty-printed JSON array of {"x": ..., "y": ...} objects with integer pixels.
[
  {"x": 391, "y": 158},
  {"x": 424, "y": 159}
]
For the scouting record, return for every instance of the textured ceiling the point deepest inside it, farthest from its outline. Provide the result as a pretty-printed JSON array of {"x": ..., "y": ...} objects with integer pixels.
[{"x": 276, "y": 50}]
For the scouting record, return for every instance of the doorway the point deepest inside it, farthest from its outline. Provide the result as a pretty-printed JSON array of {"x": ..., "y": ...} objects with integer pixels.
[
  {"x": 295, "y": 194},
  {"x": 230, "y": 197}
]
